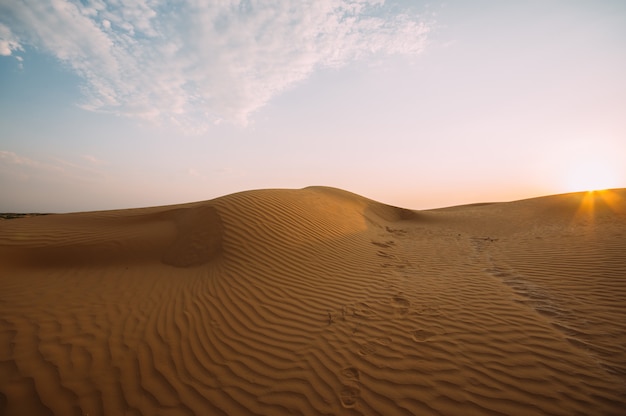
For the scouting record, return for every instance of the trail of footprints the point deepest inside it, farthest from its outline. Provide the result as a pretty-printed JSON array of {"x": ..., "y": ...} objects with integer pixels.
[
  {"x": 401, "y": 304},
  {"x": 531, "y": 295},
  {"x": 350, "y": 393},
  {"x": 360, "y": 312}
]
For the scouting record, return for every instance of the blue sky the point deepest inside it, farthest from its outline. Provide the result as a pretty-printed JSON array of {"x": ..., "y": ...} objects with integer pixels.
[{"x": 114, "y": 104}]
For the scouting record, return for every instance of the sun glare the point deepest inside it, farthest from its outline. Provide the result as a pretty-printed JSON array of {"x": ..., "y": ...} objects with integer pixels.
[
  {"x": 590, "y": 175},
  {"x": 594, "y": 203}
]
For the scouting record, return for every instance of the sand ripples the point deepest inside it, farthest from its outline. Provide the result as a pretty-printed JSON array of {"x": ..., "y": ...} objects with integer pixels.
[{"x": 314, "y": 301}]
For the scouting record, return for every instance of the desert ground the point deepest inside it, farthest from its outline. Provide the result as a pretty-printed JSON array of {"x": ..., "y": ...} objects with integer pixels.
[{"x": 317, "y": 301}]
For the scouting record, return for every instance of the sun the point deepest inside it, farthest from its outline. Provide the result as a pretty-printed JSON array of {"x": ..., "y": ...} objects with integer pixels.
[
  {"x": 589, "y": 175},
  {"x": 585, "y": 164}
]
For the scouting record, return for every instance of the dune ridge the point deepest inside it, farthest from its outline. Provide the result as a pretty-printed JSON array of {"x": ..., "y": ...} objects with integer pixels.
[{"x": 317, "y": 301}]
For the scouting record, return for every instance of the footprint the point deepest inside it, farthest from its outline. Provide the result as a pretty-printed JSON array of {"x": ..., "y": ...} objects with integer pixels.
[
  {"x": 429, "y": 310},
  {"x": 349, "y": 396},
  {"x": 396, "y": 231},
  {"x": 421, "y": 335},
  {"x": 383, "y": 341},
  {"x": 351, "y": 373},
  {"x": 401, "y": 312},
  {"x": 370, "y": 347},
  {"x": 401, "y": 306},
  {"x": 362, "y": 310},
  {"x": 386, "y": 244}
]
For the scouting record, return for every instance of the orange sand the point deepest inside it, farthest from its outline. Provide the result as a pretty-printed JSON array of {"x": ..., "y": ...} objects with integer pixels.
[{"x": 317, "y": 301}]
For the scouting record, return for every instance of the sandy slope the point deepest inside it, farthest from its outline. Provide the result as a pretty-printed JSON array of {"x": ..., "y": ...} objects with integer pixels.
[{"x": 317, "y": 301}]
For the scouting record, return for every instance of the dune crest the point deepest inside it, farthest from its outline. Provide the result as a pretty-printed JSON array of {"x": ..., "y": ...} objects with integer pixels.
[{"x": 317, "y": 301}]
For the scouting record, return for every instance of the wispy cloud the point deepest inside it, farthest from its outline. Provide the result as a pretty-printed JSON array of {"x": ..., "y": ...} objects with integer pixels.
[
  {"x": 93, "y": 160},
  {"x": 193, "y": 172},
  {"x": 195, "y": 63},
  {"x": 52, "y": 168},
  {"x": 11, "y": 158}
]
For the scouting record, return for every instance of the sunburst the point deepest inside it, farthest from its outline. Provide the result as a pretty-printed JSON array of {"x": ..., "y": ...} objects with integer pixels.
[{"x": 597, "y": 202}]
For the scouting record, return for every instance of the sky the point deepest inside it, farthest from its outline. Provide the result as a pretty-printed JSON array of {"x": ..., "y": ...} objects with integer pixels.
[{"x": 108, "y": 104}]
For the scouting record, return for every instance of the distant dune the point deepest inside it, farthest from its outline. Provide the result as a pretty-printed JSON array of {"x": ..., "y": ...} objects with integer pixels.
[{"x": 317, "y": 301}]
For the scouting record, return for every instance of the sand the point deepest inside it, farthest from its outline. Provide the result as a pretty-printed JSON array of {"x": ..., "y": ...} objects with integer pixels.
[{"x": 317, "y": 301}]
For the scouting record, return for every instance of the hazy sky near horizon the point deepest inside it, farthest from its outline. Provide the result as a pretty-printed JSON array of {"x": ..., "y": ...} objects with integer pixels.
[{"x": 115, "y": 104}]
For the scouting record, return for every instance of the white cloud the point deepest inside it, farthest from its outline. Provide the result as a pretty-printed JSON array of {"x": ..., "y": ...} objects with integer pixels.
[
  {"x": 197, "y": 63},
  {"x": 8, "y": 42}
]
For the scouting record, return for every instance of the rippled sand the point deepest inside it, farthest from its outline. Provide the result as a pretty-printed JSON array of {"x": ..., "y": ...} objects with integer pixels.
[{"x": 317, "y": 301}]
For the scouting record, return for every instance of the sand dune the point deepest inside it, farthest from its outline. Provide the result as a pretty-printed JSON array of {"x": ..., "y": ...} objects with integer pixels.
[{"x": 317, "y": 301}]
